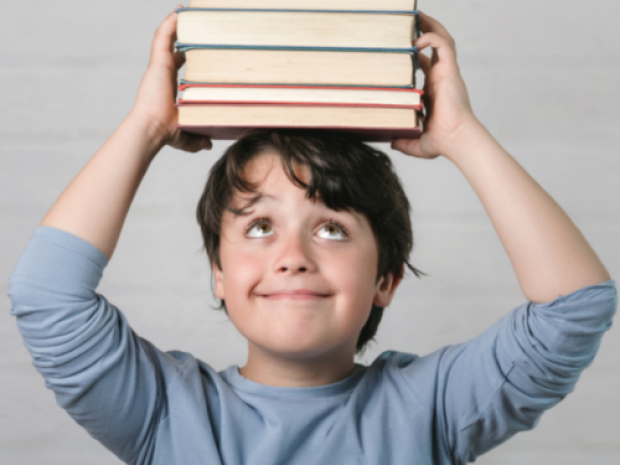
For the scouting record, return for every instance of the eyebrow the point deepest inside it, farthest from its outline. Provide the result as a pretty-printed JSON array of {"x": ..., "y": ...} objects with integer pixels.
[{"x": 258, "y": 198}]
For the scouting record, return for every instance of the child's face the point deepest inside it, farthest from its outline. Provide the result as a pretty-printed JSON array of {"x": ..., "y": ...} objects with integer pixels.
[{"x": 295, "y": 284}]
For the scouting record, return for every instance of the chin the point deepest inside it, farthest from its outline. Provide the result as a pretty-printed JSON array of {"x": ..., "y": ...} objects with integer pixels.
[
  {"x": 302, "y": 348},
  {"x": 295, "y": 350}
]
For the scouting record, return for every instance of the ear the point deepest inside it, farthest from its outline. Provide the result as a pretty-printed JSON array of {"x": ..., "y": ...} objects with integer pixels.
[
  {"x": 219, "y": 281},
  {"x": 386, "y": 287}
]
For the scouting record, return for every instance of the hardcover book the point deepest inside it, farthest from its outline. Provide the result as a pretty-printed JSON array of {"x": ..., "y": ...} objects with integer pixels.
[
  {"x": 232, "y": 120},
  {"x": 338, "y": 65},
  {"x": 333, "y": 67},
  {"x": 361, "y": 30}
]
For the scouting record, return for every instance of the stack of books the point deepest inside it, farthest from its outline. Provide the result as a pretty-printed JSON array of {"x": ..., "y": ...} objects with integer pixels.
[{"x": 346, "y": 65}]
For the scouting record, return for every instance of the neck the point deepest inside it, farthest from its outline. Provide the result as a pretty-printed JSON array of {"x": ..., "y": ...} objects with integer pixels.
[{"x": 289, "y": 371}]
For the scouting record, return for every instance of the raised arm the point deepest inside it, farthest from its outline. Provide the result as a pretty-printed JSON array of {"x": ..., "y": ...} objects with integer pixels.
[
  {"x": 107, "y": 378},
  {"x": 95, "y": 204},
  {"x": 549, "y": 254}
]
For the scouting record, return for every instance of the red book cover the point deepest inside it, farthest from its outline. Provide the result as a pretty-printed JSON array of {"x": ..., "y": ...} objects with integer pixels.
[
  {"x": 369, "y": 134},
  {"x": 365, "y": 134}
]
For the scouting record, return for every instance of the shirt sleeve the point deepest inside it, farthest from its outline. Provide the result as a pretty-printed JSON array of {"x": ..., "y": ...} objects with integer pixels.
[
  {"x": 499, "y": 383},
  {"x": 107, "y": 378}
]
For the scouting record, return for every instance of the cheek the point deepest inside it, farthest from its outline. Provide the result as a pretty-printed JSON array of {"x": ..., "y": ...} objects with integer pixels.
[
  {"x": 354, "y": 274},
  {"x": 243, "y": 276},
  {"x": 246, "y": 272}
]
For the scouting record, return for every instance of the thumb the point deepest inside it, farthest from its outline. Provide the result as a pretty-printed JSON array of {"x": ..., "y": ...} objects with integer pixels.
[
  {"x": 408, "y": 147},
  {"x": 190, "y": 142}
]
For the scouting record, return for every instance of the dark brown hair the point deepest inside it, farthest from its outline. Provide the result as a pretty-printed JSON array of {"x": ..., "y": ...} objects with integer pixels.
[{"x": 346, "y": 174}]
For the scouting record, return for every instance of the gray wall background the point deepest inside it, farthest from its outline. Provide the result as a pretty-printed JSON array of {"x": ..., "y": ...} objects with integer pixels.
[{"x": 543, "y": 76}]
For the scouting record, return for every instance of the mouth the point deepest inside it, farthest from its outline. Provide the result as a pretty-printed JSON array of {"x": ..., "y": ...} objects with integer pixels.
[{"x": 298, "y": 294}]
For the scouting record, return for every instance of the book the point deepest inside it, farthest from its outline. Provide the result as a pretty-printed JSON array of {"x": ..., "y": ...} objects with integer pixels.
[
  {"x": 338, "y": 68},
  {"x": 394, "y": 5},
  {"x": 359, "y": 30},
  {"x": 301, "y": 95},
  {"x": 231, "y": 121},
  {"x": 295, "y": 65}
]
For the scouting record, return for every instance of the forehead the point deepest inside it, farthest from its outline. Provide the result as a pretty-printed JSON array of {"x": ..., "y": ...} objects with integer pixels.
[
  {"x": 266, "y": 172},
  {"x": 267, "y": 165},
  {"x": 273, "y": 186}
]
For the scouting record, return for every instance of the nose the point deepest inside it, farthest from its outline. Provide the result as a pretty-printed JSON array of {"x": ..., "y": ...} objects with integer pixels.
[{"x": 295, "y": 254}]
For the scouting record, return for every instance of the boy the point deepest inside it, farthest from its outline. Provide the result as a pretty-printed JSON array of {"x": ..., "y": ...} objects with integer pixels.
[{"x": 302, "y": 273}]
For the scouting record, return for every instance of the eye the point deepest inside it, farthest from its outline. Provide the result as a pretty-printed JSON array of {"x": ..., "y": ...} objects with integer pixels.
[
  {"x": 333, "y": 230},
  {"x": 261, "y": 227}
]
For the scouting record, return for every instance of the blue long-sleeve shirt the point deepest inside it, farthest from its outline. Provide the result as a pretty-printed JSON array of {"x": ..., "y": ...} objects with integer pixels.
[{"x": 154, "y": 407}]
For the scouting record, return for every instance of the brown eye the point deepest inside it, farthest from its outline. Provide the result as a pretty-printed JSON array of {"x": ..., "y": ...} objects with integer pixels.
[
  {"x": 260, "y": 229},
  {"x": 332, "y": 231}
]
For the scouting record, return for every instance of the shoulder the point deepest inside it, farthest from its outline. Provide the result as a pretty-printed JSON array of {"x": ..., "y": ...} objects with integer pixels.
[
  {"x": 178, "y": 367},
  {"x": 391, "y": 361},
  {"x": 410, "y": 372}
]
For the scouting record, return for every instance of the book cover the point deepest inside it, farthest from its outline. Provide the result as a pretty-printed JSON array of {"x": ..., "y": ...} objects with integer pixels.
[{"x": 369, "y": 134}]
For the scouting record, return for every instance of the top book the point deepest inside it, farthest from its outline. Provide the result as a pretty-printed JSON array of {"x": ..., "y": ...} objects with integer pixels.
[
  {"x": 380, "y": 31},
  {"x": 360, "y": 5}
]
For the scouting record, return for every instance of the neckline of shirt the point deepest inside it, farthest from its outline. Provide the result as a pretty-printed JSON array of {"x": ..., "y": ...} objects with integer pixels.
[{"x": 238, "y": 381}]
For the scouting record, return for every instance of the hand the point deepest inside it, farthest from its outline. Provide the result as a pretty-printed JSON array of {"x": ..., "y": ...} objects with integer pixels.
[
  {"x": 448, "y": 111},
  {"x": 158, "y": 89}
]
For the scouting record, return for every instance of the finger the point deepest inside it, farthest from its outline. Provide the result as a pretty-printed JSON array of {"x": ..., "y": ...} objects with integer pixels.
[
  {"x": 428, "y": 105},
  {"x": 179, "y": 59},
  {"x": 427, "y": 102},
  {"x": 408, "y": 146},
  {"x": 191, "y": 142},
  {"x": 444, "y": 47},
  {"x": 430, "y": 24},
  {"x": 165, "y": 36},
  {"x": 425, "y": 63}
]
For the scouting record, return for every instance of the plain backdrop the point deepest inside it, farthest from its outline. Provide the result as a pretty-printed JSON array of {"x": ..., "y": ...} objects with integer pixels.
[{"x": 543, "y": 77}]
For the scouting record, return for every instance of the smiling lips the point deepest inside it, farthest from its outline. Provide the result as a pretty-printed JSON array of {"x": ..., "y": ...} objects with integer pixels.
[{"x": 297, "y": 294}]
